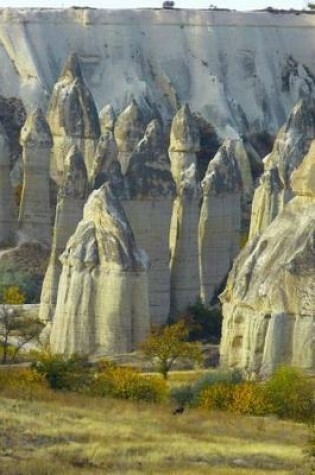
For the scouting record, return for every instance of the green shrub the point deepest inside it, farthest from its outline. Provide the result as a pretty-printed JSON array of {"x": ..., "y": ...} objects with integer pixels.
[
  {"x": 128, "y": 383},
  {"x": 29, "y": 284},
  {"x": 22, "y": 383},
  {"x": 182, "y": 395},
  {"x": 291, "y": 394},
  {"x": 61, "y": 372},
  {"x": 216, "y": 377},
  {"x": 203, "y": 323}
]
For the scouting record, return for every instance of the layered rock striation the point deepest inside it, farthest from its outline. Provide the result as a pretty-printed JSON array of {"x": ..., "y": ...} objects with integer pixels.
[
  {"x": 269, "y": 301},
  {"x": 102, "y": 305}
]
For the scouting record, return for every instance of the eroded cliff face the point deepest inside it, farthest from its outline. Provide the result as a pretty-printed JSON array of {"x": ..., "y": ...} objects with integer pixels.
[
  {"x": 269, "y": 301},
  {"x": 213, "y": 60},
  {"x": 102, "y": 304}
]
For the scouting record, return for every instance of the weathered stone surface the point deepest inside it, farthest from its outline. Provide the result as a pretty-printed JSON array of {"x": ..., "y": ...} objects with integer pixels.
[
  {"x": 129, "y": 130},
  {"x": 71, "y": 199},
  {"x": 73, "y": 118},
  {"x": 220, "y": 217},
  {"x": 102, "y": 304},
  {"x": 291, "y": 145},
  {"x": 107, "y": 118},
  {"x": 269, "y": 301},
  {"x": 106, "y": 153},
  {"x": 34, "y": 217},
  {"x": 184, "y": 263},
  {"x": 8, "y": 211},
  {"x": 149, "y": 210}
]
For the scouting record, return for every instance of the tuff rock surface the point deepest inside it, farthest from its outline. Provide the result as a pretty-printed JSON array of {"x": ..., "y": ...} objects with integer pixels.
[
  {"x": 291, "y": 145},
  {"x": 8, "y": 211},
  {"x": 72, "y": 117},
  {"x": 72, "y": 195},
  {"x": 34, "y": 216},
  {"x": 269, "y": 301},
  {"x": 102, "y": 305},
  {"x": 220, "y": 216},
  {"x": 184, "y": 263}
]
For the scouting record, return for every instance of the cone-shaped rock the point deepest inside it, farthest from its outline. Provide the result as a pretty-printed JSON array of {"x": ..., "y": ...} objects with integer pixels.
[
  {"x": 269, "y": 301},
  {"x": 34, "y": 217},
  {"x": 291, "y": 145},
  {"x": 73, "y": 118},
  {"x": 71, "y": 199},
  {"x": 184, "y": 143},
  {"x": 106, "y": 153},
  {"x": 220, "y": 219},
  {"x": 129, "y": 130},
  {"x": 107, "y": 118},
  {"x": 149, "y": 208},
  {"x": 102, "y": 304}
]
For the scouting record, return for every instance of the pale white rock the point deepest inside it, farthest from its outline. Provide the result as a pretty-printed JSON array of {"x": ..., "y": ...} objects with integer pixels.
[
  {"x": 149, "y": 209},
  {"x": 184, "y": 263},
  {"x": 290, "y": 146},
  {"x": 220, "y": 217},
  {"x": 73, "y": 118},
  {"x": 102, "y": 305},
  {"x": 269, "y": 301},
  {"x": 129, "y": 130},
  {"x": 72, "y": 195},
  {"x": 34, "y": 216},
  {"x": 8, "y": 211}
]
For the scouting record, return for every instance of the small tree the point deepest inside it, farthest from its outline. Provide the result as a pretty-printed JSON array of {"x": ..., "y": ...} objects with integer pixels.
[
  {"x": 166, "y": 345},
  {"x": 12, "y": 324}
]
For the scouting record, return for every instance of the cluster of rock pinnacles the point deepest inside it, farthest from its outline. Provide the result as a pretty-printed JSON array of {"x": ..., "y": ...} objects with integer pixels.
[{"x": 147, "y": 222}]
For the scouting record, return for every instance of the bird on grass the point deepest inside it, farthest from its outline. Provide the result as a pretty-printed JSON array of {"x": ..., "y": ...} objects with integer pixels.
[{"x": 178, "y": 410}]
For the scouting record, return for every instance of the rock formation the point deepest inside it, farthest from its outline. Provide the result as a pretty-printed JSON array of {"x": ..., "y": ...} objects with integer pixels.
[
  {"x": 269, "y": 301},
  {"x": 291, "y": 145},
  {"x": 129, "y": 130},
  {"x": 102, "y": 305},
  {"x": 8, "y": 212},
  {"x": 220, "y": 218},
  {"x": 73, "y": 118},
  {"x": 107, "y": 118},
  {"x": 71, "y": 199},
  {"x": 34, "y": 217},
  {"x": 184, "y": 143},
  {"x": 149, "y": 208}
]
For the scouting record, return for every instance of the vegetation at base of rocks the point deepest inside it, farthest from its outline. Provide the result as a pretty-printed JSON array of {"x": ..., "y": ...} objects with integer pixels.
[
  {"x": 18, "y": 328},
  {"x": 166, "y": 345},
  {"x": 15, "y": 283},
  {"x": 203, "y": 323},
  {"x": 190, "y": 394},
  {"x": 62, "y": 372},
  {"x": 291, "y": 394},
  {"x": 310, "y": 451},
  {"x": 127, "y": 383},
  {"x": 106, "y": 379}
]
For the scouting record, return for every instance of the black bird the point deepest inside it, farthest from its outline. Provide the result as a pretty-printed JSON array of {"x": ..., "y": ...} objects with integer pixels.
[{"x": 178, "y": 410}]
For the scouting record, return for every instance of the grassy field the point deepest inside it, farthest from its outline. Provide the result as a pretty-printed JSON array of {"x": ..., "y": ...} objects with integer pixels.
[{"x": 72, "y": 434}]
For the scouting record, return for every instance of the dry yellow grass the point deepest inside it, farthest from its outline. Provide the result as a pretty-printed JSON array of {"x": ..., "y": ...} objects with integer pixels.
[{"x": 71, "y": 434}]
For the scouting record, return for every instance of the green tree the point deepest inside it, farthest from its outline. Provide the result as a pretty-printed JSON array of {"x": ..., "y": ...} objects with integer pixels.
[{"x": 167, "y": 345}]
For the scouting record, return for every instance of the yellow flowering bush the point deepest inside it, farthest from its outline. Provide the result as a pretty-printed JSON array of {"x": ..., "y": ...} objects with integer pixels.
[
  {"x": 128, "y": 383},
  {"x": 22, "y": 383},
  {"x": 13, "y": 295}
]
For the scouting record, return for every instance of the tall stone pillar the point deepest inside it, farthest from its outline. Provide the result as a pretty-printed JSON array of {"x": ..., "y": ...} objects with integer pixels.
[
  {"x": 71, "y": 199},
  {"x": 34, "y": 217},
  {"x": 184, "y": 144},
  {"x": 220, "y": 220},
  {"x": 73, "y": 118},
  {"x": 8, "y": 212}
]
